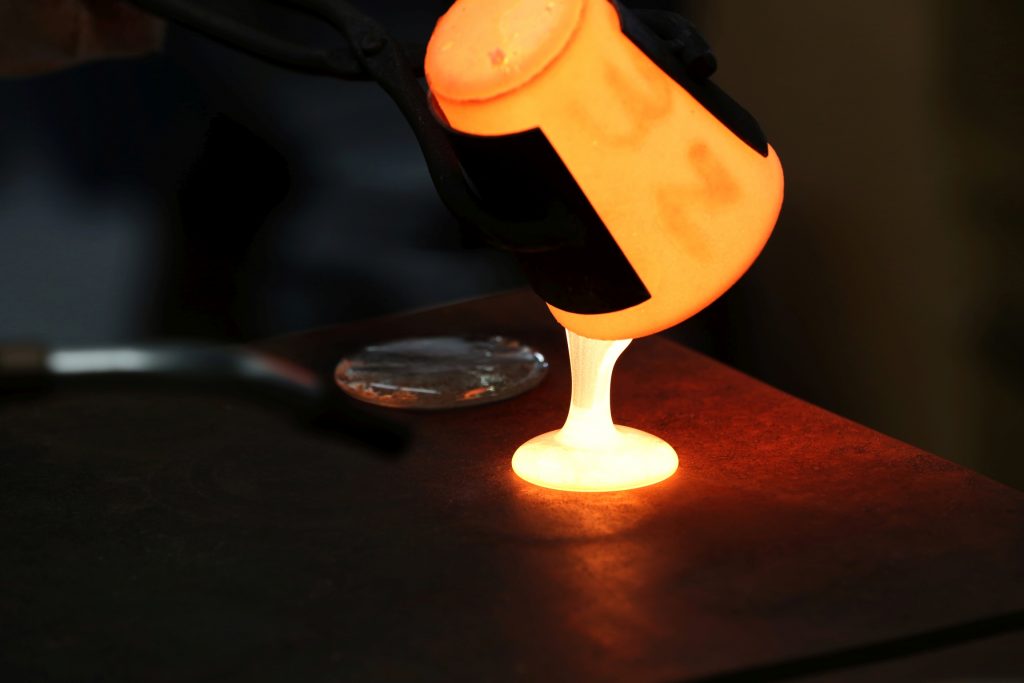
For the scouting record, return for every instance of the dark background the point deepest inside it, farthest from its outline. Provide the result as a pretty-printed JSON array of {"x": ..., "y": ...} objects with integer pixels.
[{"x": 199, "y": 193}]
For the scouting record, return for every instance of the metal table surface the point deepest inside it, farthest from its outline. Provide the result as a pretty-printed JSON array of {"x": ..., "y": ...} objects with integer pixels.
[{"x": 167, "y": 538}]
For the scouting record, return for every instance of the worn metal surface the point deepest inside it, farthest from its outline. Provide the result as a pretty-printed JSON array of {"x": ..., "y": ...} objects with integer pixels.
[{"x": 187, "y": 538}]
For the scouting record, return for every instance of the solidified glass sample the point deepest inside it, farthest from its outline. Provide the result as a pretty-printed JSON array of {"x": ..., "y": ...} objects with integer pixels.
[
  {"x": 590, "y": 453},
  {"x": 434, "y": 373}
]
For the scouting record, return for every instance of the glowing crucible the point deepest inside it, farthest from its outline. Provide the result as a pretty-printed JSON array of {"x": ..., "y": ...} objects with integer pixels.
[{"x": 678, "y": 186}]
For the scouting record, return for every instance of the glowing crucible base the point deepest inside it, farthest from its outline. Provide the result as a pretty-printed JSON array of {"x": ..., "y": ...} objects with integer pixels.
[{"x": 590, "y": 453}]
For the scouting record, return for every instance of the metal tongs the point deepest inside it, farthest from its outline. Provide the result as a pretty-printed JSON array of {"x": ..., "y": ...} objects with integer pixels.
[{"x": 366, "y": 52}]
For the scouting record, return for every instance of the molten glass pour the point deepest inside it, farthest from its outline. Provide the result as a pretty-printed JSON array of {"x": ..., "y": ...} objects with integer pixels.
[{"x": 590, "y": 453}]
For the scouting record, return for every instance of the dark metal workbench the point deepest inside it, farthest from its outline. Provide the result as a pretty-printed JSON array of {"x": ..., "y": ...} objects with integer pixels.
[{"x": 170, "y": 538}]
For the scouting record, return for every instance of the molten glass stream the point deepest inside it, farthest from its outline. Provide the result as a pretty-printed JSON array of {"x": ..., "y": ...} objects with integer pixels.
[{"x": 590, "y": 453}]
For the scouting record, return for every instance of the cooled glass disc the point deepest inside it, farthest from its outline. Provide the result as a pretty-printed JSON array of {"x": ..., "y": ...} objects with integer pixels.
[{"x": 433, "y": 373}]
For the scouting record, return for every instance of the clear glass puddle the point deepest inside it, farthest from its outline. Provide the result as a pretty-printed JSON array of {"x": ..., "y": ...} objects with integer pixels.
[{"x": 434, "y": 373}]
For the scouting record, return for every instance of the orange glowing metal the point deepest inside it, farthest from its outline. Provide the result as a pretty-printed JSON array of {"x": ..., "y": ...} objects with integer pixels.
[{"x": 688, "y": 202}]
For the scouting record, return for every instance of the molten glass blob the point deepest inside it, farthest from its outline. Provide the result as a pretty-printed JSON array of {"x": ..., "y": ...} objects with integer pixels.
[{"x": 590, "y": 453}]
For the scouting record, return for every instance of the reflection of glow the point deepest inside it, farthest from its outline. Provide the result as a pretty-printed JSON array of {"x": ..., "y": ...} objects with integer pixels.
[
  {"x": 597, "y": 574},
  {"x": 589, "y": 453}
]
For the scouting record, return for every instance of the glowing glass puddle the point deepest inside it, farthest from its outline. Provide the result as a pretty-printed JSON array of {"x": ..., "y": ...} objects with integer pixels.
[{"x": 590, "y": 452}]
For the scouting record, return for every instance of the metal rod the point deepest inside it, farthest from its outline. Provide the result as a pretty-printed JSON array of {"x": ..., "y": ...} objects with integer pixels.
[{"x": 33, "y": 369}]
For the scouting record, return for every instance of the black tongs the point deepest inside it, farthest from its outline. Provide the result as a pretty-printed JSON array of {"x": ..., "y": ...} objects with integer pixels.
[{"x": 367, "y": 53}]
